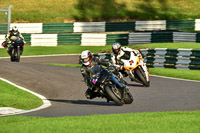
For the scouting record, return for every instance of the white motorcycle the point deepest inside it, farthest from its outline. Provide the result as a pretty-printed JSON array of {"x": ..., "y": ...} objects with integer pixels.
[{"x": 136, "y": 69}]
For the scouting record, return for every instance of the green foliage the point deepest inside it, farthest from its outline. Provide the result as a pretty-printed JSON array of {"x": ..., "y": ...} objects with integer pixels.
[
  {"x": 50, "y": 11},
  {"x": 99, "y": 10}
]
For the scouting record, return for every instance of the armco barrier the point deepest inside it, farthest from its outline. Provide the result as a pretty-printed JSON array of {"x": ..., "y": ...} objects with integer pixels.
[
  {"x": 184, "y": 37},
  {"x": 172, "y": 58},
  {"x": 181, "y": 25},
  {"x": 93, "y": 39},
  {"x": 197, "y": 25},
  {"x": 198, "y": 37},
  {"x": 69, "y": 39},
  {"x": 27, "y": 38},
  {"x": 161, "y": 37},
  {"x": 3, "y": 28},
  {"x": 121, "y": 38},
  {"x": 28, "y": 27},
  {"x": 119, "y": 26},
  {"x": 167, "y": 58},
  {"x": 102, "y": 39},
  {"x": 43, "y": 39},
  {"x": 139, "y": 38},
  {"x": 150, "y": 25},
  {"x": 58, "y": 28},
  {"x": 89, "y": 27},
  {"x": 83, "y": 27}
]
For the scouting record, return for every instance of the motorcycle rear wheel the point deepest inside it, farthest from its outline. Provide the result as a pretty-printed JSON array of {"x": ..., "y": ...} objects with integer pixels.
[{"x": 114, "y": 94}]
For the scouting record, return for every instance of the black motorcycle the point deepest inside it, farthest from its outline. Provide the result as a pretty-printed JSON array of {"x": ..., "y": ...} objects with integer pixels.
[
  {"x": 15, "y": 49},
  {"x": 109, "y": 86}
]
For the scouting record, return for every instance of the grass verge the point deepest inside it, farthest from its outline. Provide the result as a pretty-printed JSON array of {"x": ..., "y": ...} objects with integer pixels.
[
  {"x": 61, "y": 49},
  {"x": 176, "y": 73},
  {"x": 11, "y": 96},
  {"x": 77, "y": 49},
  {"x": 167, "y": 122},
  {"x": 168, "y": 72}
]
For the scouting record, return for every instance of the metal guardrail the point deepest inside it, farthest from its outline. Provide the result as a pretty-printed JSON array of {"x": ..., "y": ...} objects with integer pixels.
[
  {"x": 102, "y": 39},
  {"x": 89, "y": 27},
  {"x": 172, "y": 58},
  {"x": 187, "y": 59}
]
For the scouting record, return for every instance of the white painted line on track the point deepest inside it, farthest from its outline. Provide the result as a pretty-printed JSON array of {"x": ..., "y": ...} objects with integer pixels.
[
  {"x": 46, "y": 102},
  {"x": 175, "y": 78}
]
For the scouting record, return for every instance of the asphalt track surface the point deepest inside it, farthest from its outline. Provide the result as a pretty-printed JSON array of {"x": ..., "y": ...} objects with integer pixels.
[{"x": 65, "y": 88}]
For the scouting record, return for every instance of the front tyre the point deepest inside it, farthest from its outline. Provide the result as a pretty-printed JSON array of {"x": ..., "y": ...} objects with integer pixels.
[
  {"x": 141, "y": 75},
  {"x": 18, "y": 55},
  {"x": 128, "y": 99},
  {"x": 12, "y": 55},
  {"x": 114, "y": 94}
]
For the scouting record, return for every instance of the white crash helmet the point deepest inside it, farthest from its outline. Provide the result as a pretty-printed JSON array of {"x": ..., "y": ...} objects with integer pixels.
[
  {"x": 116, "y": 47},
  {"x": 86, "y": 54},
  {"x": 15, "y": 30}
]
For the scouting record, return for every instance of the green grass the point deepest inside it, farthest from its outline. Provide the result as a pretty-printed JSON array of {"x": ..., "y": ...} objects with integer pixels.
[
  {"x": 64, "y": 65},
  {"x": 160, "y": 122},
  {"x": 167, "y": 122},
  {"x": 77, "y": 49},
  {"x": 51, "y": 11},
  {"x": 176, "y": 73},
  {"x": 69, "y": 49},
  {"x": 11, "y": 96},
  {"x": 169, "y": 45}
]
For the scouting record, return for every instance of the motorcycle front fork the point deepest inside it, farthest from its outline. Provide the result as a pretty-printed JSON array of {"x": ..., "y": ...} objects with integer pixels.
[{"x": 131, "y": 75}]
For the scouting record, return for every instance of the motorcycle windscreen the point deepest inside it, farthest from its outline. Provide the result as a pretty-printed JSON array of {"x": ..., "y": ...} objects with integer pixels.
[
  {"x": 100, "y": 73},
  {"x": 19, "y": 40}
]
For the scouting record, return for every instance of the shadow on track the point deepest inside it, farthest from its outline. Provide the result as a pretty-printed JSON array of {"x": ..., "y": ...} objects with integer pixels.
[
  {"x": 136, "y": 85},
  {"x": 84, "y": 102}
]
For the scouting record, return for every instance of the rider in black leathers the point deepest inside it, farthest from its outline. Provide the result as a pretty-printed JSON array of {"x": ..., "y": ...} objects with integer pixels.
[
  {"x": 9, "y": 37},
  {"x": 87, "y": 63}
]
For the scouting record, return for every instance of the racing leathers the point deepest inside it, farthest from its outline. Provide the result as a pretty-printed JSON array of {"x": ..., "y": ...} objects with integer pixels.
[
  {"x": 124, "y": 52},
  {"x": 9, "y": 38},
  {"x": 87, "y": 73}
]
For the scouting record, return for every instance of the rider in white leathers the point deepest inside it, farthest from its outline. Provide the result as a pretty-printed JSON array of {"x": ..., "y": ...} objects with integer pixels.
[{"x": 120, "y": 52}]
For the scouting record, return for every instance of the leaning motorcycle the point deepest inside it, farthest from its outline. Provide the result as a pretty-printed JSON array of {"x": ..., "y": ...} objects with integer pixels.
[
  {"x": 136, "y": 68},
  {"x": 15, "y": 49},
  {"x": 109, "y": 87}
]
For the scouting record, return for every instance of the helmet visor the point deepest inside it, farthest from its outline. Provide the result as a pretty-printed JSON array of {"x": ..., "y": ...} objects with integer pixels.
[
  {"x": 116, "y": 51},
  {"x": 85, "y": 60}
]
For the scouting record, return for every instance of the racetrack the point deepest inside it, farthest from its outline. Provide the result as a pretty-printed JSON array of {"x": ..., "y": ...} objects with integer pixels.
[{"x": 65, "y": 88}]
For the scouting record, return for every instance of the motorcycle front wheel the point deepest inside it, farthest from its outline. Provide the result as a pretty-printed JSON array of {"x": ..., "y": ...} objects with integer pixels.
[
  {"x": 12, "y": 55},
  {"x": 17, "y": 55},
  {"x": 114, "y": 94},
  {"x": 128, "y": 99},
  {"x": 141, "y": 75}
]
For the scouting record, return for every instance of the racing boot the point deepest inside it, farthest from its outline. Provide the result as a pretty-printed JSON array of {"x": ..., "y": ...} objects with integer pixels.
[{"x": 90, "y": 94}]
